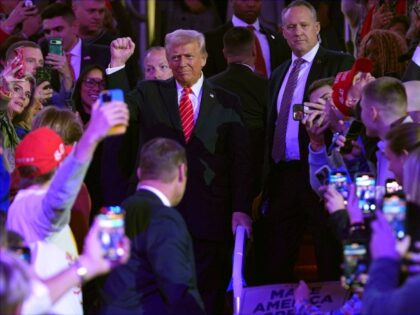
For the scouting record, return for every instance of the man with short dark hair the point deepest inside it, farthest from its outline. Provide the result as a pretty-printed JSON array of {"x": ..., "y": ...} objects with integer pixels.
[
  {"x": 240, "y": 78},
  {"x": 292, "y": 206},
  {"x": 32, "y": 60},
  {"x": 58, "y": 20},
  {"x": 271, "y": 49},
  {"x": 160, "y": 276}
]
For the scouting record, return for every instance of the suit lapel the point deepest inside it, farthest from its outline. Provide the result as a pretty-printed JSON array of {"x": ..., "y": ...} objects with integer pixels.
[
  {"x": 317, "y": 68},
  {"x": 208, "y": 101},
  {"x": 170, "y": 99}
]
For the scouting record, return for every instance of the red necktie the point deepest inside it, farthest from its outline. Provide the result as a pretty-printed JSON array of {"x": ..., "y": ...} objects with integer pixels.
[
  {"x": 259, "y": 60},
  {"x": 278, "y": 152},
  {"x": 68, "y": 56},
  {"x": 186, "y": 112}
]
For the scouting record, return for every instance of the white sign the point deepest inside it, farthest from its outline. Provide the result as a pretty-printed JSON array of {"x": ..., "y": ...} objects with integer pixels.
[{"x": 278, "y": 299}]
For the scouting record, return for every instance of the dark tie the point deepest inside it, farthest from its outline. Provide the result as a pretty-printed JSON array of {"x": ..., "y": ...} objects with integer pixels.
[
  {"x": 279, "y": 141},
  {"x": 259, "y": 60},
  {"x": 186, "y": 112}
]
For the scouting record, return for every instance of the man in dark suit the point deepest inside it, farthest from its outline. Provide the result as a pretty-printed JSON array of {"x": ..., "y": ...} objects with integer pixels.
[
  {"x": 272, "y": 50},
  {"x": 239, "y": 78},
  {"x": 58, "y": 20},
  {"x": 206, "y": 120},
  {"x": 292, "y": 206},
  {"x": 159, "y": 277}
]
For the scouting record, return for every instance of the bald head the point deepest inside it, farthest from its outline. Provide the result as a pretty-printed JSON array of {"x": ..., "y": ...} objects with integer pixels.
[{"x": 412, "y": 89}]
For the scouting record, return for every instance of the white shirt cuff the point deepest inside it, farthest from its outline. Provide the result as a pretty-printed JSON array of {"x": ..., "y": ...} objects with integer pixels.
[
  {"x": 113, "y": 70},
  {"x": 416, "y": 56}
]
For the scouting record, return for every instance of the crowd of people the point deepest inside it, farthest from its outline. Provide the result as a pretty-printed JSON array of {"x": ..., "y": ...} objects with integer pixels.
[{"x": 235, "y": 125}]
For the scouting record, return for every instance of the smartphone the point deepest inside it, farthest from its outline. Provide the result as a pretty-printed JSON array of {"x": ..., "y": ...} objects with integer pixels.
[
  {"x": 340, "y": 180},
  {"x": 394, "y": 207},
  {"x": 353, "y": 133},
  {"x": 43, "y": 74},
  {"x": 355, "y": 267},
  {"x": 365, "y": 190},
  {"x": 55, "y": 46},
  {"x": 17, "y": 61},
  {"x": 392, "y": 186},
  {"x": 107, "y": 96},
  {"x": 28, "y": 3},
  {"x": 299, "y": 111},
  {"x": 111, "y": 232},
  {"x": 322, "y": 174}
]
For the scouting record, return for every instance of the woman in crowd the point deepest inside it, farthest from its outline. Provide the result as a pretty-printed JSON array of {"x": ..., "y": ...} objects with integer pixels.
[
  {"x": 90, "y": 83},
  {"x": 17, "y": 100},
  {"x": 383, "y": 48}
]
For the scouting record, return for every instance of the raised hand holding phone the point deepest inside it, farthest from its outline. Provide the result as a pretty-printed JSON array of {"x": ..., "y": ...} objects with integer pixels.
[{"x": 107, "y": 96}]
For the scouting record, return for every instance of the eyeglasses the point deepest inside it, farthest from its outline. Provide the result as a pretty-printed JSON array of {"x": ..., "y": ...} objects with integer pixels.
[{"x": 91, "y": 83}]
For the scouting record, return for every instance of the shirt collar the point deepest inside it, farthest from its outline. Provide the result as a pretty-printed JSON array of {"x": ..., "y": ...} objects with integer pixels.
[
  {"x": 196, "y": 88},
  {"x": 309, "y": 56},
  {"x": 238, "y": 22},
  {"x": 77, "y": 49},
  {"x": 157, "y": 192}
]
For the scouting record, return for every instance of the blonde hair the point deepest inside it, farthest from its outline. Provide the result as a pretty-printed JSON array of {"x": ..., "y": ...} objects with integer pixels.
[{"x": 183, "y": 37}]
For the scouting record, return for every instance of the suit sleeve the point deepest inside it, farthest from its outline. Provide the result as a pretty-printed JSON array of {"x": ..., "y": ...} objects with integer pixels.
[
  {"x": 241, "y": 162},
  {"x": 170, "y": 255}
]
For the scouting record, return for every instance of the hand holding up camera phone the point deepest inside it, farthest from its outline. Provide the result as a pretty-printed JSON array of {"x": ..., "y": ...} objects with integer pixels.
[{"x": 107, "y": 96}]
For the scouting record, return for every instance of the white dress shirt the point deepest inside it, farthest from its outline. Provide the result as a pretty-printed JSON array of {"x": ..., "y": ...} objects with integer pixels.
[
  {"x": 195, "y": 95},
  {"x": 261, "y": 38},
  {"x": 157, "y": 192},
  {"x": 76, "y": 58},
  {"x": 292, "y": 133}
]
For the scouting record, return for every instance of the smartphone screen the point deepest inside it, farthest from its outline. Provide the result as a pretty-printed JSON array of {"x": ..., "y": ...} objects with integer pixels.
[
  {"x": 111, "y": 234},
  {"x": 298, "y": 112},
  {"x": 365, "y": 190},
  {"x": 340, "y": 180},
  {"x": 322, "y": 174},
  {"x": 355, "y": 265},
  {"x": 353, "y": 133},
  {"x": 394, "y": 208},
  {"x": 55, "y": 46},
  {"x": 392, "y": 186}
]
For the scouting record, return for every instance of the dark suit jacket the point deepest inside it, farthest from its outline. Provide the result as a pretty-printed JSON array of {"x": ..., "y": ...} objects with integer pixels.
[
  {"x": 327, "y": 63},
  {"x": 217, "y": 153},
  {"x": 252, "y": 90},
  {"x": 412, "y": 72},
  {"x": 216, "y": 62},
  {"x": 159, "y": 277}
]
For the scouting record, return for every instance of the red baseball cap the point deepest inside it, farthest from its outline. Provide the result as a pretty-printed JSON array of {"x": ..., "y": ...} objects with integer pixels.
[
  {"x": 42, "y": 148},
  {"x": 344, "y": 81}
]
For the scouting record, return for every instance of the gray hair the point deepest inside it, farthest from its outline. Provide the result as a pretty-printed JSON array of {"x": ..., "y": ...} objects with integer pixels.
[
  {"x": 299, "y": 3},
  {"x": 182, "y": 37}
]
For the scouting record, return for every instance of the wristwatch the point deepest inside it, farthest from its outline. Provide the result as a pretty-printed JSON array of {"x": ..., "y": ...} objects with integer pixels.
[{"x": 81, "y": 271}]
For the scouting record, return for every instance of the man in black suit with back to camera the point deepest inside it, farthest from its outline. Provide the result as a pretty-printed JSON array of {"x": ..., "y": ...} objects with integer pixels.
[
  {"x": 159, "y": 277},
  {"x": 292, "y": 206},
  {"x": 240, "y": 78},
  {"x": 272, "y": 49},
  {"x": 207, "y": 121}
]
